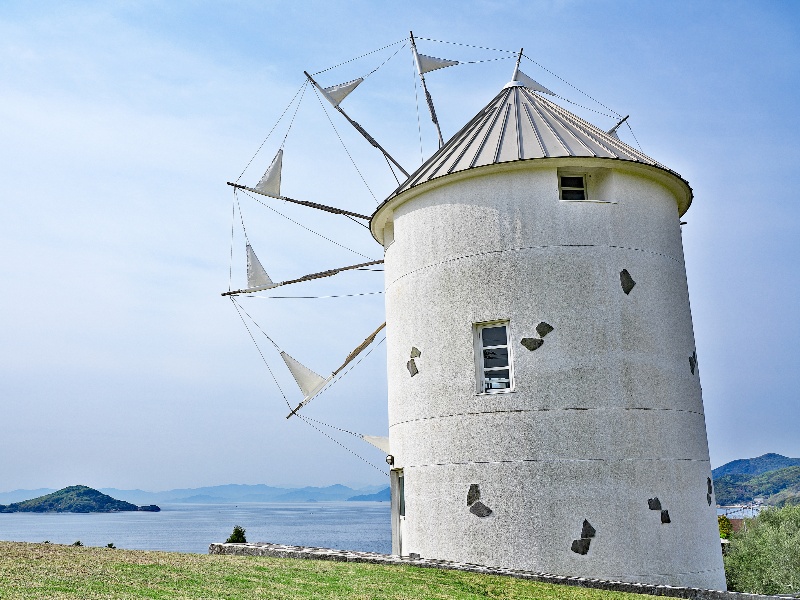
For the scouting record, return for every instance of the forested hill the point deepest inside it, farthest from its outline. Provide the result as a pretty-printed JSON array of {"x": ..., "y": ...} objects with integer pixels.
[
  {"x": 755, "y": 466},
  {"x": 76, "y": 499},
  {"x": 777, "y": 487}
]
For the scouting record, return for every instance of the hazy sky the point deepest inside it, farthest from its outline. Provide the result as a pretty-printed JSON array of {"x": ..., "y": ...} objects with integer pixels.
[{"x": 120, "y": 122}]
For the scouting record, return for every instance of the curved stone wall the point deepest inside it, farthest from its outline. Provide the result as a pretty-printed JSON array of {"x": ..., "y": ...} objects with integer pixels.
[{"x": 606, "y": 412}]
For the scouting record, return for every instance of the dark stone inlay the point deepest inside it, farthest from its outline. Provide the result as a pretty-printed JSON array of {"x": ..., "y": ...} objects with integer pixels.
[
  {"x": 588, "y": 531},
  {"x": 532, "y": 343},
  {"x": 665, "y": 516},
  {"x": 412, "y": 367},
  {"x": 479, "y": 509},
  {"x": 544, "y": 328},
  {"x": 708, "y": 497},
  {"x": 626, "y": 280},
  {"x": 415, "y": 353},
  {"x": 654, "y": 504},
  {"x": 709, "y": 485},
  {"x": 581, "y": 546},
  {"x": 474, "y": 494}
]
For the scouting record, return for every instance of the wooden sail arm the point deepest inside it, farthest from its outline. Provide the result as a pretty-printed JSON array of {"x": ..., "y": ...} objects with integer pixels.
[
  {"x": 358, "y": 350},
  {"x": 360, "y": 129},
  {"x": 328, "y": 273},
  {"x": 325, "y": 207}
]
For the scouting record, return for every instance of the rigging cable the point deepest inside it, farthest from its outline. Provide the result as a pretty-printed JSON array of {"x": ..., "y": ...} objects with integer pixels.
[
  {"x": 233, "y": 224},
  {"x": 384, "y": 62},
  {"x": 362, "y": 56},
  {"x": 241, "y": 310},
  {"x": 468, "y": 45},
  {"x": 358, "y": 435},
  {"x": 337, "y": 442},
  {"x": 342, "y": 142},
  {"x": 634, "y": 136},
  {"x": 308, "y": 297},
  {"x": 572, "y": 86},
  {"x": 280, "y": 389},
  {"x": 296, "y": 108},
  {"x": 416, "y": 99},
  {"x": 264, "y": 204},
  {"x": 305, "y": 83}
]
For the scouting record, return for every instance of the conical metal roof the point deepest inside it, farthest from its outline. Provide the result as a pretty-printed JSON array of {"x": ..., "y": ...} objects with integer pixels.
[{"x": 519, "y": 124}]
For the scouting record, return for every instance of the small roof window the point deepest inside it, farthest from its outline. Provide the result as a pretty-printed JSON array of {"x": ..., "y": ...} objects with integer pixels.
[{"x": 572, "y": 187}]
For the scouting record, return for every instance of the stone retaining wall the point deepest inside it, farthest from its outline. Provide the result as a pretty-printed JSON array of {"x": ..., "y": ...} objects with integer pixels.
[{"x": 311, "y": 553}]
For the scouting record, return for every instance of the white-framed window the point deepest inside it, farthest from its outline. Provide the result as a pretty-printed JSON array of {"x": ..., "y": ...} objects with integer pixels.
[
  {"x": 493, "y": 360},
  {"x": 572, "y": 186}
]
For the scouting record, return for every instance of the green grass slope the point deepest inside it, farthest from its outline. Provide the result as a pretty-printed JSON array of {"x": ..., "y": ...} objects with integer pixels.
[
  {"x": 778, "y": 487},
  {"x": 76, "y": 498},
  {"x": 33, "y": 571}
]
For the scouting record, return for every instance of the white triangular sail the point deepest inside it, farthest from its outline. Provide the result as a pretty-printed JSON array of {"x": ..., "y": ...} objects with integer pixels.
[
  {"x": 426, "y": 63},
  {"x": 270, "y": 183},
  {"x": 336, "y": 93},
  {"x": 382, "y": 443},
  {"x": 530, "y": 83},
  {"x": 309, "y": 382},
  {"x": 256, "y": 275}
]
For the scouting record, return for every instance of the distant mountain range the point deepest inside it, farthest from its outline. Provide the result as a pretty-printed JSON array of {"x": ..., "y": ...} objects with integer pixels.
[
  {"x": 220, "y": 494},
  {"x": 773, "y": 477}
]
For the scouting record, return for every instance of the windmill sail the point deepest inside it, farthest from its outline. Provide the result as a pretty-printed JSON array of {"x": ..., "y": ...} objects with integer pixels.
[
  {"x": 426, "y": 63},
  {"x": 307, "y": 380},
  {"x": 531, "y": 83},
  {"x": 310, "y": 383},
  {"x": 382, "y": 443},
  {"x": 270, "y": 183},
  {"x": 256, "y": 275},
  {"x": 336, "y": 93}
]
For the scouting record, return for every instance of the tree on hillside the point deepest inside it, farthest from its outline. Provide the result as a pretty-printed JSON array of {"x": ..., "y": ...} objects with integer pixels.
[
  {"x": 765, "y": 559},
  {"x": 725, "y": 527}
]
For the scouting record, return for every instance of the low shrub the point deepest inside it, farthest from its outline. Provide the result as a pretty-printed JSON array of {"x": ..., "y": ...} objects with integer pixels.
[{"x": 237, "y": 537}]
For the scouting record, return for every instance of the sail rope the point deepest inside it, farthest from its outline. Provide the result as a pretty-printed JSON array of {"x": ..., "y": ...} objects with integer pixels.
[
  {"x": 239, "y": 307},
  {"x": 302, "y": 87},
  {"x": 308, "y": 297},
  {"x": 599, "y": 112},
  {"x": 263, "y": 358},
  {"x": 358, "y": 435},
  {"x": 416, "y": 100},
  {"x": 362, "y": 56},
  {"x": 233, "y": 226},
  {"x": 341, "y": 141},
  {"x": 467, "y": 45},
  {"x": 296, "y": 108},
  {"x": 241, "y": 216},
  {"x": 264, "y": 204},
  {"x": 572, "y": 86},
  {"x": 634, "y": 136},
  {"x": 241, "y": 310},
  {"x": 338, "y": 443},
  {"x": 384, "y": 62}
]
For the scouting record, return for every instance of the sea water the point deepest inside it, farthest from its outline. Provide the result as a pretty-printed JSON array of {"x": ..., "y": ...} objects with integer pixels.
[{"x": 361, "y": 526}]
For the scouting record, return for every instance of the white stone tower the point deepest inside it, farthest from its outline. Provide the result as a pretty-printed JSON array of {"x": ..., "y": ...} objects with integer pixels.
[{"x": 545, "y": 410}]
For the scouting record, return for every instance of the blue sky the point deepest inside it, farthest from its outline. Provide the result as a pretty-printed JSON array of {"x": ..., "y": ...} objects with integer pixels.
[{"x": 120, "y": 123}]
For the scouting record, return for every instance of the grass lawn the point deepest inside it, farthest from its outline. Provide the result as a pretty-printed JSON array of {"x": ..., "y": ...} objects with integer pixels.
[{"x": 53, "y": 571}]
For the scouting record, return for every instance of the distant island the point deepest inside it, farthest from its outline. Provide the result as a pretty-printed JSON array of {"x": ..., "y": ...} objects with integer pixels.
[
  {"x": 771, "y": 477},
  {"x": 75, "y": 499}
]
